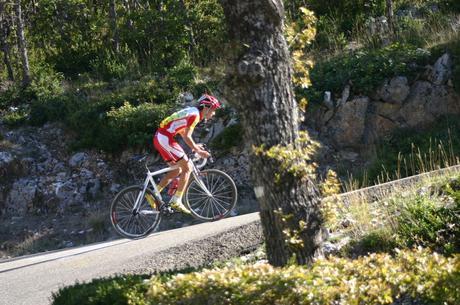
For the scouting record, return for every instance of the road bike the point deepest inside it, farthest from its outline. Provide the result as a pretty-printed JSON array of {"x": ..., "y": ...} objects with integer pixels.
[{"x": 210, "y": 195}]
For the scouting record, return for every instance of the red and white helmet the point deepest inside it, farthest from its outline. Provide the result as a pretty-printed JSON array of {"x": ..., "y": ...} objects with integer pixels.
[{"x": 209, "y": 101}]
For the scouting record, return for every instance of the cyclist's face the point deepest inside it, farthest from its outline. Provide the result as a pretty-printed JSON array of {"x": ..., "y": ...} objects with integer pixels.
[{"x": 210, "y": 113}]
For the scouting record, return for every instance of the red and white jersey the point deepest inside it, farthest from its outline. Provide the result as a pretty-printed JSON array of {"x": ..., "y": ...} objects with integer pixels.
[{"x": 187, "y": 117}]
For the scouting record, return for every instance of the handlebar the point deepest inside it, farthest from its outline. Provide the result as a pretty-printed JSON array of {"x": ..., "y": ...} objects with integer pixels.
[{"x": 195, "y": 157}]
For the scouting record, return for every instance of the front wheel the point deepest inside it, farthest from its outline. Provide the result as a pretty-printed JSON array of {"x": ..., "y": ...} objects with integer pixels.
[
  {"x": 132, "y": 223},
  {"x": 211, "y": 196}
]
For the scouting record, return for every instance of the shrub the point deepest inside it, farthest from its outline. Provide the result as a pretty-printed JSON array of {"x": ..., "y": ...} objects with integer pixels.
[
  {"x": 376, "y": 279},
  {"x": 56, "y": 108},
  {"x": 349, "y": 12},
  {"x": 11, "y": 96},
  {"x": 108, "y": 66},
  {"x": 230, "y": 137},
  {"x": 365, "y": 70},
  {"x": 424, "y": 150},
  {"x": 134, "y": 125},
  {"x": 15, "y": 118},
  {"x": 113, "y": 291},
  {"x": 329, "y": 35},
  {"x": 424, "y": 221},
  {"x": 46, "y": 83}
]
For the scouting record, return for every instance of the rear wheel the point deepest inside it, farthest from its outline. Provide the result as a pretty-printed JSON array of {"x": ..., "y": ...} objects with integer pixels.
[
  {"x": 212, "y": 197},
  {"x": 130, "y": 223}
]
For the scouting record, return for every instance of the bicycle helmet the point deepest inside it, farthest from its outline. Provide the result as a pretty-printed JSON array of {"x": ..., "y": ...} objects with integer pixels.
[{"x": 209, "y": 101}]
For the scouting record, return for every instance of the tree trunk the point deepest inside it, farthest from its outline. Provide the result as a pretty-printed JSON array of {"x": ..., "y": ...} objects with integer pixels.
[
  {"x": 259, "y": 87},
  {"x": 389, "y": 13},
  {"x": 4, "y": 45},
  {"x": 113, "y": 26},
  {"x": 22, "y": 45},
  {"x": 188, "y": 23}
]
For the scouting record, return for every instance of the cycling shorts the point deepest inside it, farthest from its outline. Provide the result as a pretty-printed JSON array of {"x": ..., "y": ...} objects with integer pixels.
[{"x": 168, "y": 148}]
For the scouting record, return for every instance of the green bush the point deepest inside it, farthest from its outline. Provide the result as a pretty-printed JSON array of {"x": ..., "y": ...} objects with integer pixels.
[
  {"x": 365, "y": 70},
  {"x": 424, "y": 221},
  {"x": 56, "y": 108},
  {"x": 417, "y": 274},
  {"x": 133, "y": 126},
  {"x": 381, "y": 240},
  {"x": 406, "y": 144},
  {"x": 349, "y": 12},
  {"x": 376, "y": 279},
  {"x": 15, "y": 118},
  {"x": 329, "y": 35},
  {"x": 114, "y": 291},
  {"x": 46, "y": 83},
  {"x": 107, "y": 66},
  {"x": 230, "y": 137},
  {"x": 11, "y": 96}
]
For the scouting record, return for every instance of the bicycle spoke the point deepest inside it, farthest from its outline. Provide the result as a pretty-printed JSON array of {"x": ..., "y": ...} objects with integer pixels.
[
  {"x": 217, "y": 203},
  {"x": 198, "y": 206}
]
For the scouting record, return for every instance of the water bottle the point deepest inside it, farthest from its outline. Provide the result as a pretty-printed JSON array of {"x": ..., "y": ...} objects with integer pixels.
[{"x": 173, "y": 186}]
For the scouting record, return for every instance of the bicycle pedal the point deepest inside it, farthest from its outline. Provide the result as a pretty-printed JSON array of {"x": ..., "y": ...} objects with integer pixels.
[{"x": 167, "y": 211}]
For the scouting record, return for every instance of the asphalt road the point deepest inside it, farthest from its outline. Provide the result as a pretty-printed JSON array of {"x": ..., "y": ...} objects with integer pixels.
[{"x": 31, "y": 280}]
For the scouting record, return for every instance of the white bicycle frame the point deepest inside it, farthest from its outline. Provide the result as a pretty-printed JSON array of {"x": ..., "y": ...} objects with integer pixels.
[{"x": 149, "y": 179}]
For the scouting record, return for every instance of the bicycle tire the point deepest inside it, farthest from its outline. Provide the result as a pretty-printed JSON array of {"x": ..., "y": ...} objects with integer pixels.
[
  {"x": 220, "y": 202},
  {"x": 121, "y": 208}
]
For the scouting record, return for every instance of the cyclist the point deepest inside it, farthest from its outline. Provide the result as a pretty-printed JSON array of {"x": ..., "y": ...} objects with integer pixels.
[{"x": 183, "y": 123}]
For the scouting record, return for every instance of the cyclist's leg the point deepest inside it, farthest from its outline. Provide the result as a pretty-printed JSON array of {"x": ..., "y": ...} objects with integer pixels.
[
  {"x": 186, "y": 170},
  {"x": 168, "y": 177},
  {"x": 176, "y": 200},
  {"x": 172, "y": 152}
]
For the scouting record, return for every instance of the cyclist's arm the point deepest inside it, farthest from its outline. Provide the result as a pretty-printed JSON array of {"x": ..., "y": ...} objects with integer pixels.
[{"x": 186, "y": 134}]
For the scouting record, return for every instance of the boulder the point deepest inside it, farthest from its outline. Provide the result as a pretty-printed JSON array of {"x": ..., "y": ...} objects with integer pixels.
[
  {"x": 78, "y": 159},
  {"x": 346, "y": 128},
  {"x": 394, "y": 91},
  {"x": 381, "y": 126},
  {"x": 10, "y": 167},
  {"x": 428, "y": 102},
  {"x": 22, "y": 196},
  {"x": 442, "y": 70}
]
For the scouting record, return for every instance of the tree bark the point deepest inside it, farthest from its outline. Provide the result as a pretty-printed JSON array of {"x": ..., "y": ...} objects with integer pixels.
[
  {"x": 5, "y": 30},
  {"x": 389, "y": 13},
  {"x": 259, "y": 87},
  {"x": 22, "y": 45},
  {"x": 113, "y": 26}
]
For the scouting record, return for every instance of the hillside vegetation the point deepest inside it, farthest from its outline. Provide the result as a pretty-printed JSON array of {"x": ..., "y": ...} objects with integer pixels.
[
  {"x": 399, "y": 249},
  {"x": 111, "y": 70}
]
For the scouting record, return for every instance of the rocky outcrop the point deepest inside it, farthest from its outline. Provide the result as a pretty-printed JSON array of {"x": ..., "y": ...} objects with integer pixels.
[
  {"x": 358, "y": 124},
  {"x": 346, "y": 128},
  {"x": 47, "y": 190}
]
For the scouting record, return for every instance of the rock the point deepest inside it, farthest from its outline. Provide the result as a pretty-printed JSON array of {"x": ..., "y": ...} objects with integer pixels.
[
  {"x": 77, "y": 159},
  {"x": 381, "y": 126},
  {"x": 86, "y": 174},
  {"x": 328, "y": 100},
  {"x": 214, "y": 131},
  {"x": 346, "y": 128},
  {"x": 115, "y": 188},
  {"x": 345, "y": 95},
  {"x": 428, "y": 102},
  {"x": 349, "y": 155},
  {"x": 388, "y": 110},
  {"x": 92, "y": 187},
  {"x": 5, "y": 158},
  {"x": 22, "y": 197},
  {"x": 394, "y": 91},
  {"x": 442, "y": 70},
  {"x": 65, "y": 191}
]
